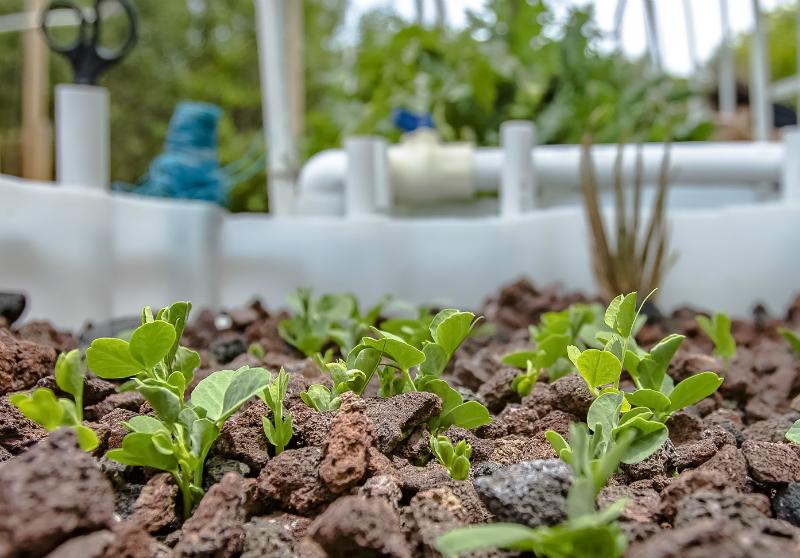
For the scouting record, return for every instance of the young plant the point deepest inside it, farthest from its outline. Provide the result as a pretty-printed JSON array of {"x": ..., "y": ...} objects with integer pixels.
[
  {"x": 718, "y": 329},
  {"x": 279, "y": 429},
  {"x": 332, "y": 318},
  {"x": 792, "y": 338},
  {"x": 793, "y": 434},
  {"x": 555, "y": 332},
  {"x": 351, "y": 375},
  {"x": 153, "y": 357},
  {"x": 178, "y": 438},
  {"x": 524, "y": 383},
  {"x": 587, "y": 532},
  {"x": 50, "y": 413},
  {"x": 454, "y": 459}
]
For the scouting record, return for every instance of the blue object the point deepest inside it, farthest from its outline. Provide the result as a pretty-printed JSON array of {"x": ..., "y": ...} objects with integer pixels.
[
  {"x": 408, "y": 121},
  {"x": 189, "y": 166}
]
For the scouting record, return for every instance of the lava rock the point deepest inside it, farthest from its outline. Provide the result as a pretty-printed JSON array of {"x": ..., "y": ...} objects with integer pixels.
[
  {"x": 93, "y": 545},
  {"x": 656, "y": 464},
  {"x": 43, "y": 333},
  {"x": 242, "y": 437},
  {"x": 216, "y": 528},
  {"x": 350, "y": 436},
  {"x": 771, "y": 429},
  {"x": 786, "y": 504},
  {"x": 49, "y": 494},
  {"x": 357, "y": 526},
  {"x": 310, "y": 427},
  {"x": 16, "y": 431},
  {"x": 264, "y": 537},
  {"x": 155, "y": 508},
  {"x": 23, "y": 363},
  {"x": 382, "y": 486},
  {"x": 729, "y": 461},
  {"x": 532, "y": 493},
  {"x": 497, "y": 392},
  {"x": 128, "y": 400},
  {"x": 771, "y": 463},
  {"x": 572, "y": 395},
  {"x": 217, "y": 467},
  {"x": 643, "y": 504},
  {"x": 429, "y": 515},
  {"x": 509, "y": 450},
  {"x": 12, "y": 305},
  {"x": 481, "y": 449},
  {"x": 292, "y": 480},
  {"x": 750, "y": 510},
  {"x": 393, "y": 417},
  {"x": 111, "y": 429},
  {"x": 131, "y": 541},
  {"x": 688, "y": 483},
  {"x": 227, "y": 347}
]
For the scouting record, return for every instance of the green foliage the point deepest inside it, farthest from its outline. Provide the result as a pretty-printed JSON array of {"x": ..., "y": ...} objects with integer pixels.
[
  {"x": 178, "y": 438},
  {"x": 43, "y": 408},
  {"x": 394, "y": 359},
  {"x": 153, "y": 357},
  {"x": 279, "y": 429},
  {"x": 555, "y": 332},
  {"x": 331, "y": 318},
  {"x": 792, "y": 338},
  {"x": 718, "y": 329},
  {"x": 793, "y": 434},
  {"x": 586, "y": 533},
  {"x": 454, "y": 458},
  {"x": 524, "y": 383}
]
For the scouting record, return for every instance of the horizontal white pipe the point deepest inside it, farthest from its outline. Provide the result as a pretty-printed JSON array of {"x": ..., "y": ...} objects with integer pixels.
[{"x": 557, "y": 166}]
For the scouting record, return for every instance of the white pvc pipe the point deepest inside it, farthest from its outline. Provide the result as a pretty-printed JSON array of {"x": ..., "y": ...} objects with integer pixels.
[
  {"x": 653, "y": 39},
  {"x": 278, "y": 133},
  {"x": 790, "y": 183},
  {"x": 727, "y": 75},
  {"x": 82, "y": 136},
  {"x": 760, "y": 105},
  {"x": 516, "y": 174},
  {"x": 363, "y": 168}
]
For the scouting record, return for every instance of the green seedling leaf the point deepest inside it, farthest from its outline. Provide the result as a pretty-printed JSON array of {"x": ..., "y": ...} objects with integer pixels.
[
  {"x": 186, "y": 361},
  {"x": 166, "y": 404},
  {"x": 450, "y": 327},
  {"x": 398, "y": 350},
  {"x": 319, "y": 398},
  {"x": 69, "y": 375},
  {"x": 176, "y": 314},
  {"x": 649, "y": 437},
  {"x": 519, "y": 359},
  {"x": 626, "y": 315},
  {"x": 146, "y": 424},
  {"x": 151, "y": 342},
  {"x": 560, "y": 445},
  {"x": 138, "y": 449},
  {"x": 87, "y": 439},
  {"x": 223, "y": 392},
  {"x": 574, "y": 354},
  {"x": 718, "y": 329},
  {"x": 41, "y": 407},
  {"x": 450, "y": 397},
  {"x": 477, "y": 537},
  {"x": 792, "y": 338},
  {"x": 693, "y": 389},
  {"x": 635, "y": 412},
  {"x": 436, "y": 359},
  {"x": 469, "y": 415},
  {"x": 793, "y": 434},
  {"x": 203, "y": 433},
  {"x": 111, "y": 359},
  {"x": 610, "y": 317},
  {"x": 605, "y": 411},
  {"x": 598, "y": 368},
  {"x": 650, "y": 398},
  {"x": 652, "y": 367}
]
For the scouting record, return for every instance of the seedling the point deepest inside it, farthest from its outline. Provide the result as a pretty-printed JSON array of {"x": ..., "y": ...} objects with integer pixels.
[
  {"x": 524, "y": 383},
  {"x": 454, "y": 459},
  {"x": 279, "y": 429},
  {"x": 551, "y": 337},
  {"x": 332, "y": 318},
  {"x": 178, "y": 438},
  {"x": 351, "y": 375},
  {"x": 793, "y": 434},
  {"x": 586, "y": 533},
  {"x": 153, "y": 357},
  {"x": 718, "y": 329},
  {"x": 50, "y": 413},
  {"x": 792, "y": 338}
]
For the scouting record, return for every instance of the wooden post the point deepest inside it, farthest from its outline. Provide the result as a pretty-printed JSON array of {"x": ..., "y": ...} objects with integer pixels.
[{"x": 37, "y": 155}]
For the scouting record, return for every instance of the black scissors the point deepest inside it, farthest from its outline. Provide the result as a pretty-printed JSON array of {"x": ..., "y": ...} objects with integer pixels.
[{"x": 88, "y": 57}]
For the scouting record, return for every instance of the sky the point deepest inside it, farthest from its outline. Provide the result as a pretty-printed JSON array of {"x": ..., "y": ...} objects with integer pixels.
[{"x": 670, "y": 15}]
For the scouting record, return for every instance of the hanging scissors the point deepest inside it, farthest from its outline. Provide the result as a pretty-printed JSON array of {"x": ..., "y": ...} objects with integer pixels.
[{"x": 88, "y": 57}]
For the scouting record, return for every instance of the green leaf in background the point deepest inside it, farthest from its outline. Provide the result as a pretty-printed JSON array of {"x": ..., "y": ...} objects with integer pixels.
[
  {"x": 598, "y": 368},
  {"x": 477, "y": 537},
  {"x": 222, "y": 392},
  {"x": 436, "y": 359},
  {"x": 793, "y": 434},
  {"x": 145, "y": 424},
  {"x": 166, "y": 404},
  {"x": 87, "y": 439},
  {"x": 718, "y": 329},
  {"x": 792, "y": 338},
  {"x": 693, "y": 389},
  {"x": 111, "y": 359},
  {"x": 605, "y": 411},
  {"x": 450, "y": 327},
  {"x": 469, "y": 415},
  {"x": 69, "y": 375},
  {"x": 151, "y": 342},
  {"x": 650, "y": 436},
  {"x": 519, "y": 359},
  {"x": 650, "y": 398},
  {"x": 139, "y": 449},
  {"x": 626, "y": 315}
]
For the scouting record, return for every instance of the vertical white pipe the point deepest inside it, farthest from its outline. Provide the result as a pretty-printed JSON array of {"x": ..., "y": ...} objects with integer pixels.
[
  {"x": 82, "y": 136},
  {"x": 760, "y": 106},
  {"x": 516, "y": 179},
  {"x": 790, "y": 181},
  {"x": 619, "y": 18},
  {"x": 653, "y": 39},
  {"x": 727, "y": 74},
  {"x": 691, "y": 37},
  {"x": 359, "y": 193},
  {"x": 797, "y": 52},
  {"x": 276, "y": 108}
]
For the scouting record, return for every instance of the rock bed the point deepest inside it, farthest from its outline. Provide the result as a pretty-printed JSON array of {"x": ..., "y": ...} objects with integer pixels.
[{"x": 726, "y": 484}]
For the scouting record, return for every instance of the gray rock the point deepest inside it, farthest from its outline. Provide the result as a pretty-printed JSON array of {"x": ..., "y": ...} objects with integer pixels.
[
  {"x": 532, "y": 493},
  {"x": 264, "y": 537},
  {"x": 786, "y": 504}
]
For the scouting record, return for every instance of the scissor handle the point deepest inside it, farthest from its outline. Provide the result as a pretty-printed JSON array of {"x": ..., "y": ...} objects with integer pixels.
[
  {"x": 71, "y": 48},
  {"x": 115, "y": 54}
]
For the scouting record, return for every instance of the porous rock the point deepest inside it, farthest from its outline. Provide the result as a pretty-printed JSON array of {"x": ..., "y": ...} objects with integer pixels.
[
  {"x": 155, "y": 508},
  {"x": 50, "y": 493},
  {"x": 393, "y": 417},
  {"x": 771, "y": 463},
  {"x": 23, "y": 363},
  {"x": 358, "y": 526},
  {"x": 532, "y": 493},
  {"x": 242, "y": 436},
  {"x": 346, "y": 449},
  {"x": 291, "y": 479},
  {"x": 16, "y": 431}
]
